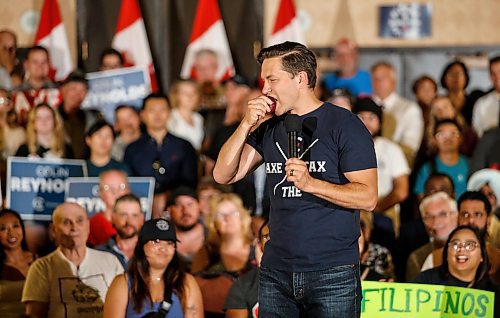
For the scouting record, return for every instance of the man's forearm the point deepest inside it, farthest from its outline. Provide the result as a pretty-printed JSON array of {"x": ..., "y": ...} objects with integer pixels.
[
  {"x": 352, "y": 195},
  {"x": 227, "y": 165}
]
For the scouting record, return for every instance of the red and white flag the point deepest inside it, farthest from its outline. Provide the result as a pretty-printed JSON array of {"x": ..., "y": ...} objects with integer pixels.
[
  {"x": 287, "y": 25},
  {"x": 208, "y": 33},
  {"x": 131, "y": 39},
  {"x": 51, "y": 34}
]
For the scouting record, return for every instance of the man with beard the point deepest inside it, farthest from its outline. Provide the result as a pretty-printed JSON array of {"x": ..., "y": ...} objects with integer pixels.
[
  {"x": 127, "y": 219},
  {"x": 185, "y": 213}
]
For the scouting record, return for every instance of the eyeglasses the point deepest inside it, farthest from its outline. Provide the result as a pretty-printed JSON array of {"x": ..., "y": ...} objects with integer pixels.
[
  {"x": 224, "y": 215},
  {"x": 472, "y": 215},
  {"x": 441, "y": 135},
  {"x": 440, "y": 216},
  {"x": 468, "y": 246},
  {"x": 109, "y": 188}
]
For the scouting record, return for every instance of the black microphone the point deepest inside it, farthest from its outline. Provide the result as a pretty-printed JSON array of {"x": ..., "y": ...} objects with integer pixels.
[{"x": 293, "y": 127}]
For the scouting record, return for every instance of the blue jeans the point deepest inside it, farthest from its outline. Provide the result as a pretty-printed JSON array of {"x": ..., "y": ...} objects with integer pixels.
[{"x": 332, "y": 293}]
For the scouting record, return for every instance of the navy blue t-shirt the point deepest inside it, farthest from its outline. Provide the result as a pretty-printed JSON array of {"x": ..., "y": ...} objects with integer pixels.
[{"x": 307, "y": 232}]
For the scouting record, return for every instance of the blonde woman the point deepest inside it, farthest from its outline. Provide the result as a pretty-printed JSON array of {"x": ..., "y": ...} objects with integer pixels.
[
  {"x": 229, "y": 247},
  {"x": 44, "y": 135},
  {"x": 184, "y": 121}
]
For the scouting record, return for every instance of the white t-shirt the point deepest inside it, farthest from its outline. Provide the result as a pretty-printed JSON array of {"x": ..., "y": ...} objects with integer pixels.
[
  {"x": 429, "y": 263},
  {"x": 391, "y": 163},
  {"x": 69, "y": 290},
  {"x": 485, "y": 113},
  {"x": 182, "y": 129}
]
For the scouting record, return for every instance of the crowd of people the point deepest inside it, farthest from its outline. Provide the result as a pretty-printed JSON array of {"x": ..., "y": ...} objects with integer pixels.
[{"x": 435, "y": 221}]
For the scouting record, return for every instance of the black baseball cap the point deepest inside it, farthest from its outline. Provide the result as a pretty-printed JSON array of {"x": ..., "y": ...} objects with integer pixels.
[
  {"x": 237, "y": 79},
  {"x": 158, "y": 229},
  {"x": 181, "y": 190}
]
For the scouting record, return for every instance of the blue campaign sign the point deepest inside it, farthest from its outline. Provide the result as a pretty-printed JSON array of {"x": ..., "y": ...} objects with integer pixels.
[
  {"x": 85, "y": 191},
  {"x": 405, "y": 21},
  {"x": 36, "y": 186},
  {"x": 108, "y": 89}
]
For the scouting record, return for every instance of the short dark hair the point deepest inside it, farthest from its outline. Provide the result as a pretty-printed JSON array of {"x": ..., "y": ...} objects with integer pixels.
[
  {"x": 422, "y": 79},
  {"x": 295, "y": 58},
  {"x": 152, "y": 96},
  {"x": 476, "y": 196},
  {"x": 98, "y": 126},
  {"x": 447, "y": 69},
  {"x": 37, "y": 48},
  {"x": 110, "y": 51},
  {"x": 493, "y": 60},
  {"x": 435, "y": 175},
  {"x": 120, "y": 107},
  {"x": 447, "y": 121},
  {"x": 129, "y": 197}
]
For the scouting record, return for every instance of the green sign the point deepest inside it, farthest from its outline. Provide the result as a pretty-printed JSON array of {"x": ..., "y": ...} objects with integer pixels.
[{"x": 397, "y": 300}]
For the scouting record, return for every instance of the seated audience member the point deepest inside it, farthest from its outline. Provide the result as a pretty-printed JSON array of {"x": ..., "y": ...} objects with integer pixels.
[
  {"x": 172, "y": 161},
  {"x": 486, "y": 109},
  {"x": 488, "y": 182},
  {"x": 110, "y": 59},
  {"x": 45, "y": 135},
  {"x": 127, "y": 219},
  {"x": 487, "y": 152},
  {"x": 341, "y": 97},
  {"x": 348, "y": 75},
  {"x": 11, "y": 134},
  {"x": 229, "y": 247},
  {"x": 392, "y": 166},
  {"x": 8, "y": 58},
  {"x": 455, "y": 79},
  {"x": 474, "y": 210},
  {"x": 425, "y": 90},
  {"x": 128, "y": 128},
  {"x": 448, "y": 160},
  {"x": 73, "y": 280},
  {"x": 185, "y": 214},
  {"x": 99, "y": 139},
  {"x": 37, "y": 86},
  {"x": 403, "y": 122},
  {"x": 112, "y": 185},
  {"x": 207, "y": 188},
  {"x": 465, "y": 264},
  {"x": 155, "y": 282},
  {"x": 184, "y": 121},
  {"x": 439, "y": 213},
  {"x": 15, "y": 260},
  {"x": 374, "y": 256},
  {"x": 76, "y": 120},
  {"x": 242, "y": 298}
]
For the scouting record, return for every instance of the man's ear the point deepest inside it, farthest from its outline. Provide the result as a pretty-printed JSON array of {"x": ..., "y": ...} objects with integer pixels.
[{"x": 303, "y": 79}]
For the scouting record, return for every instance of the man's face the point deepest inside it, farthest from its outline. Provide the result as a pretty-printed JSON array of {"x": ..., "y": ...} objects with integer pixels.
[
  {"x": 495, "y": 75},
  {"x": 101, "y": 141},
  {"x": 185, "y": 213},
  {"x": 235, "y": 94},
  {"x": 439, "y": 220},
  {"x": 8, "y": 46},
  {"x": 112, "y": 185},
  {"x": 206, "y": 68},
  {"x": 473, "y": 212},
  {"x": 127, "y": 219},
  {"x": 384, "y": 82},
  {"x": 73, "y": 94},
  {"x": 371, "y": 121},
  {"x": 110, "y": 62},
  {"x": 279, "y": 84},
  {"x": 346, "y": 57},
  {"x": 71, "y": 226},
  {"x": 37, "y": 65},
  {"x": 127, "y": 120},
  {"x": 155, "y": 114},
  {"x": 448, "y": 138}
]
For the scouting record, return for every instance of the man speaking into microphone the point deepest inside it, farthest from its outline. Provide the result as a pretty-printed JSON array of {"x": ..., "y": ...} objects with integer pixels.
[{"x": 321, "y": 169}]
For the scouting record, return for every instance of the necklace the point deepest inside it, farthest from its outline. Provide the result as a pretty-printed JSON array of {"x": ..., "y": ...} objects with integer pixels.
[{"x": 156, "y": 279}]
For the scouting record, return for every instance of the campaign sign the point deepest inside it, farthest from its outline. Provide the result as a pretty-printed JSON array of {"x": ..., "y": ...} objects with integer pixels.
[
  {"x": 85, "y": 191},
  {"x": 36, "y": 186},
  {"x": 397, "y": 300},
  {"x": 405, "y": 21},
  {"x": 108, "y": 89}
]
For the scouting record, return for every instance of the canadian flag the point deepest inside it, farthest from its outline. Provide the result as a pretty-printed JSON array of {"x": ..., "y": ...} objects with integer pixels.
[
  {"x": 132, "y": 41},
  {"x": 287, "y": 25},
  {"x": 51, "y": 34},
  {"x": 208, "y": 33}
]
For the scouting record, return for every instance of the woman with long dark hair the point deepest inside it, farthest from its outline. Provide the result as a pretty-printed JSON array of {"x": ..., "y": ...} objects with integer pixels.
[
  {"x": 155, "y": 284},
  {"x": 15, "y": 260}
]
